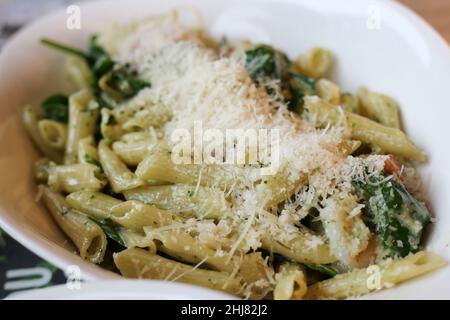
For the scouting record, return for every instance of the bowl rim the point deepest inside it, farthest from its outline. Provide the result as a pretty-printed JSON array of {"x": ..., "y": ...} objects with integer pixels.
[
  {"x": 142, "y": 289},
  {"x": 60, "y": 256}
]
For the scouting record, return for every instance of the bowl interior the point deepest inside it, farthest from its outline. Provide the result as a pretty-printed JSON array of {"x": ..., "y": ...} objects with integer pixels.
[{"x": 376, "y": 43}]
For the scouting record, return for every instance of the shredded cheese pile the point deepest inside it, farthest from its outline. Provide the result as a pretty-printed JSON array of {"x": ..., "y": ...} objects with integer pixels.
[{"x": 194, "y": 83}]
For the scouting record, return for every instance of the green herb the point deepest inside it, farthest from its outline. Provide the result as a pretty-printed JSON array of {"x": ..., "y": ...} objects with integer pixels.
[
  {"x": 264, "y": 62},
  {"x": 63, "y": 48},
  {"x": 109, "y": 191},
  {"x": 92, "y": 160},
  {"x": 125, "y": 82},
  {"x": 56, "y": 107},
  {"x": 323, "y": 268},
  {"x": 122, "y": 81},
  {"x": 98, "y": 60},
  {"x": 326, "y": 269},
  {"x": 393, "y": 214},
  {"x": 111, "y": 230},
  {"x": 300, "y": 86}
]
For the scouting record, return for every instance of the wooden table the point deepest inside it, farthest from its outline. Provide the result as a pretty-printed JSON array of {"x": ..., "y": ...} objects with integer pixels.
[{"x": 436, "y": 12}]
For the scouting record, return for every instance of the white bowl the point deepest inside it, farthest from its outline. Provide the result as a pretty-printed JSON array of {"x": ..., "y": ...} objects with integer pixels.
[
  {"x": 377, "y": 43},
  {"x": 122, "y": 290}
]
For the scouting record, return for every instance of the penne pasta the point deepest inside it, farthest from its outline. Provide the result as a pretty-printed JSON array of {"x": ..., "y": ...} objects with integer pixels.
[
  {"x": 133, "y": 239},
  {"x": 390, "y": 140},
  {"x": 87, "y": 236},
  {"x": 95, "y": 204},
  {"x": 87, "y": 151},
  {"x": 135, "y": 215},
  {"x": 75, "y": 177},
  {"x": 119, "y": 176},
  {"x": 83, "y": 115},
  {"x": 316, "y": 63},
  {"x": 379, "y": 108},
  {"x": 202, "y": 202},
  {"x": 53, "y": 133},
  {"x": 290, "y": 283},
  {"x": 375, "y": 277},
  {"x": 139, "y": 263},
  {"x": 30, "y": 121},
  {"x": 78, "y": 72},
  {"x": 158, "y": 165},
  {"x": 133, "y": 151},
  {"x": 345, "y": 229},
  {"x": 350, "y": 103},
  {"x": 303, "y": 248},
  {"x": 329, "y": 91}
]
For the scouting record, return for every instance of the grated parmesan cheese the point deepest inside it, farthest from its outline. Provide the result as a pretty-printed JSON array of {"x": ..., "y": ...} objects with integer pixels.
[{"x": 194, "y": 83}]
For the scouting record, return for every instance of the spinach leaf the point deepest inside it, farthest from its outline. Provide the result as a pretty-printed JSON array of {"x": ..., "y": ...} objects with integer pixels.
[
  {"x": 109, "y": 191},
  {"x": 393, "y": 214},
  {"x": 111, "y": 230},
  {"x": 92, "y": 160},
  {"x": 64, "y": 48},
  {"x": 300, "y": 86},
  {"x": 122, "y": 82},
  {"x": 98, "y": 60},
  {"x": 264, "y": 62},
  {"x": 326, "y": 269},
  {"x": 125, "y": 82},
  {"x": 56, "y": 107}
]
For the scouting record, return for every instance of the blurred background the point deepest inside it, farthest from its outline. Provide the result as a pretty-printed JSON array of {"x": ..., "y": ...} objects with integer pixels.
[{"x": 21, "y": 269}]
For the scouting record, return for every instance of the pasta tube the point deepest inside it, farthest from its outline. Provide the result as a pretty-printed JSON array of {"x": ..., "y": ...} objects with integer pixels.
[
  {"x": 290, "y": 283},
  {"x": 362, "y": 281},
  {"x": 158, "y": 165},
  {"x": 345, "y": 229},
  {"x": 95, "y": 204},
  {"x": 83, "y": 115},
  {"x": 135, "y": 215},
  {"x": 87, "y": 151},
  {"x": 75, "y": 177},
  {"x": 390, "y": 140},
  {"x": 139, "y": 263},
  {"x": 329, "y": 91},
  {"x": 379, "y": 108},
  {"x": 30, "y": 121},
  {"x": 316, "y": 63},
  {"x": 53, "y": 133},
  {"x": 132, "y": 152},
  {"x": 202, "y": 202},
  {"x": 119, "y": 176},
  {"x": 78, "y": 72},
  {"x": 87, "y": 236}
]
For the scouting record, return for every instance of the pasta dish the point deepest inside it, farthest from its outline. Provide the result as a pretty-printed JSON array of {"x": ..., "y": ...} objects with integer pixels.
[{"x": 230, "y": 166}]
